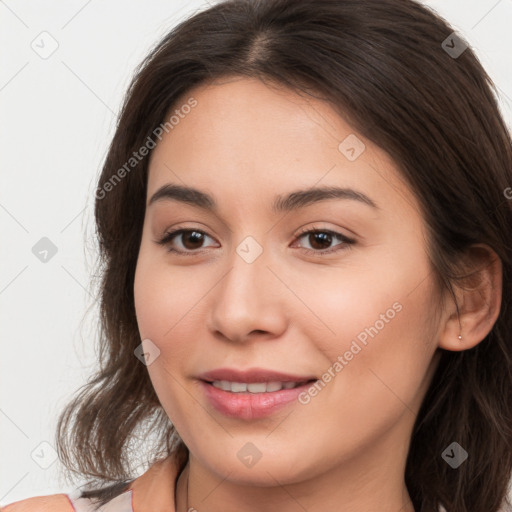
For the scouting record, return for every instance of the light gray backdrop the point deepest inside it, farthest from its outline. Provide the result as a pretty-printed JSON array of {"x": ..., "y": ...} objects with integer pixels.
[{"x": 63, "y": 71}]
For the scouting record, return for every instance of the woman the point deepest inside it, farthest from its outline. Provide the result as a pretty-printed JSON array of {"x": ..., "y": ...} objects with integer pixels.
[{"x": 304, "y": 223}]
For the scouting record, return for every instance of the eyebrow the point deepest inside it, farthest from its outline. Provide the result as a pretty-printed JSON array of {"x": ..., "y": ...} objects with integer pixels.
[{"x": 292, "y": 201}]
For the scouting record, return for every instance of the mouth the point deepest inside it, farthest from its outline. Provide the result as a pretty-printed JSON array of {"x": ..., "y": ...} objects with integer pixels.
[
  {"x": 253, "y": 376},
  {"x": 252, "y": 400},
  {"x": 256, "y": 387}
]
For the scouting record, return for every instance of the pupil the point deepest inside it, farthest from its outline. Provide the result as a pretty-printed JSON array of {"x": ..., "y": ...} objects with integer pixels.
[
  {"x": 326, "y": 237},
  {"x": 196, "y": 238}
]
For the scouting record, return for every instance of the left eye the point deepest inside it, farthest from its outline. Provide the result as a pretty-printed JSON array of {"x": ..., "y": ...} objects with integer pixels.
[
  {"x": 194, "y": 237},
  {"x": 319, "y": 239}
]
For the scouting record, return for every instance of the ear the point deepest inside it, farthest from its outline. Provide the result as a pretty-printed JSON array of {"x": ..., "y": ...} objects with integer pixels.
[{"x": 478, "y": 298}]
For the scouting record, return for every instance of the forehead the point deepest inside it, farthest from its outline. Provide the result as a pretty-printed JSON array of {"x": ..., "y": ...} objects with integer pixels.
[{"x": 244, "y": 139}]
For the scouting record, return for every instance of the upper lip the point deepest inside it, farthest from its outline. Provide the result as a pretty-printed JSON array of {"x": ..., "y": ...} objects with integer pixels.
[{"x": 252, "y": 375}]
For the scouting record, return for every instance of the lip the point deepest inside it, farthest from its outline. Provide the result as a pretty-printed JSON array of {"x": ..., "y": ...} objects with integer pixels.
[
  {"x": 252, "y": 375},
  {"x": 251, "y": 406}
]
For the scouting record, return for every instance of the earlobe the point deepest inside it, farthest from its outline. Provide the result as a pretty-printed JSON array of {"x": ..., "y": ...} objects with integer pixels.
[{"x": 478, "y": 299}]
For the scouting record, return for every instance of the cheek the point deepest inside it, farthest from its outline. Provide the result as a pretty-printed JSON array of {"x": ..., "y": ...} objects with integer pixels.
[
  {"x": 162, "y": 296},
  {"x": 163, "y": 303},
  {"x": 169, "y": 305},
  {"x": 381, "y": 355},
  {"x": 374, "y": 328}
]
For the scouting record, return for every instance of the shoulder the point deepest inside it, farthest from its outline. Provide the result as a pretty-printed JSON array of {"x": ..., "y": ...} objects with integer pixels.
[{"x": 51, "y": 503}]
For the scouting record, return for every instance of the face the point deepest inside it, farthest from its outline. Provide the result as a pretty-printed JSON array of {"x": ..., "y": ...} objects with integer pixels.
[{"x": 338, "y": 289}]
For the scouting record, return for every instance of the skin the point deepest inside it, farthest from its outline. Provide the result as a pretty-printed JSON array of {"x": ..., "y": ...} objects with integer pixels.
[{"x": 290, "y": 311}]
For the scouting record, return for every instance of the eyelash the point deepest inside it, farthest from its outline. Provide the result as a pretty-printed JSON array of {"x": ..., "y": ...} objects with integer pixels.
[{"x": 345, "y": 245}]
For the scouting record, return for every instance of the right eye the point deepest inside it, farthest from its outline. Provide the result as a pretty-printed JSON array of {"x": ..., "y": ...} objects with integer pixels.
[{"x": 190, "y": 240}]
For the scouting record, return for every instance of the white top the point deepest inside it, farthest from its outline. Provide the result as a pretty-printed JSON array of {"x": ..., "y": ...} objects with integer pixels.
[{"x": 121, "y": 503}]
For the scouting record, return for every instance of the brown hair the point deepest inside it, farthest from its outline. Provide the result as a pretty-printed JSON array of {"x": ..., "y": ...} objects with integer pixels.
[{"x": 382, "y": 65}]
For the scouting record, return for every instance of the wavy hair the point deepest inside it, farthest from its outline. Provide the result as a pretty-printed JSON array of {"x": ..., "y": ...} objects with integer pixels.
[{"x": 383, "y": 66}]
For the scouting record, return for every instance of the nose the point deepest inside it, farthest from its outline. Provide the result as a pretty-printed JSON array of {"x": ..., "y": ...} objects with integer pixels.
[{"x": 249, "y": 301}]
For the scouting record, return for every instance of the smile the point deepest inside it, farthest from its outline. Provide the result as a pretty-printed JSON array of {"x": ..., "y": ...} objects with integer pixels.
[
  {"x": 254, "y": 387},
  {"x": 251, "y": 401}
]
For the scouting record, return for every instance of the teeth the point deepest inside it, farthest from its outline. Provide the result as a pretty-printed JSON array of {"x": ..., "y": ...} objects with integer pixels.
[
  {"x": 254, "y": 387},
  {"x": 238, "y": 387},
  {"x": 274, "y": 386}
]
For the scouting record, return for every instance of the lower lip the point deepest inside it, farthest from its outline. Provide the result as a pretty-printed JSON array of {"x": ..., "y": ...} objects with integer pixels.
[{"x": 250, "y": 406}]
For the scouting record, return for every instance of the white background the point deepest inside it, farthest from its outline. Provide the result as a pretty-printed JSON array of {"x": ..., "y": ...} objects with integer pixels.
[{"x": 58, "y": 115}]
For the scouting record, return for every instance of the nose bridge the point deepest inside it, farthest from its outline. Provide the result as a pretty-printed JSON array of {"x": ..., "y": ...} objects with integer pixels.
[{"x": 245, "y": 299}]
